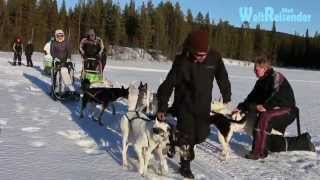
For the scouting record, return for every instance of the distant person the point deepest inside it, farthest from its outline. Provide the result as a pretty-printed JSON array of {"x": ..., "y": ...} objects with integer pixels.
[
  {"x": 47, "y": 61},
  {"x": 47, "y": 47},
  {"x": 92, "y": 47},
  {"x": 28, "y": 51},
  {"x": 17, "y": 49}
]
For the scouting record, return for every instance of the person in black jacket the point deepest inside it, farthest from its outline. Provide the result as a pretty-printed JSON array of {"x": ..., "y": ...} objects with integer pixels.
[
  {"x": 271, "y": 104},
  {"x": 60, "y": 49},
  {"x": 191, "y": 78},
  {"x": 17, "y": 49},
  {"x": 92, "y": 47},
  {"x": 28, "y": 51}
]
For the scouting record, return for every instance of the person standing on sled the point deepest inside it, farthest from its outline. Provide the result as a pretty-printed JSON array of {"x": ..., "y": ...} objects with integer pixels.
[
  {"x": 270, "y": 105},
  {"x": 17, "y": 49},
  {"x": 92, "y": 47},
  {"x": 191, "y": 77},
  {"x": 28, "y": 51}
]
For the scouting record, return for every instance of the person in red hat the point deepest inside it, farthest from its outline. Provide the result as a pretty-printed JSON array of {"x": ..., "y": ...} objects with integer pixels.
[
  {"x": 191, "y": 78},
  {"x": 17, "y": 49}
]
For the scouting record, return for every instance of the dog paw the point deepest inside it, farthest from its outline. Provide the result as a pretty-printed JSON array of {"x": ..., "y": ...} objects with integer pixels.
[
  {"x": 224, "y": 156},
  {"x": 163, "y": 171},
  {"x": 141, "y": 173},
  {"x": 125, "y": 166}
]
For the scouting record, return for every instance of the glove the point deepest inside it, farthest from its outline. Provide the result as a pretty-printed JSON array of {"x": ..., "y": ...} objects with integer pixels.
[
  {"x": 236, "y": 110},
  {"x": 161, "y": 116},
  {"x": 68, "y": 60}
]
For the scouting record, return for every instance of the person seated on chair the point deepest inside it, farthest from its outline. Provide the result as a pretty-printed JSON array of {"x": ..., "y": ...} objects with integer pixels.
[
  {"x": 271, "y": 104},
  {"x": 91, "y": 47}
]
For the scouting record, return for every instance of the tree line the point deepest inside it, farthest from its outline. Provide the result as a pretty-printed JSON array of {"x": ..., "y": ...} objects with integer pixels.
[{"x": 161, "y": 28}]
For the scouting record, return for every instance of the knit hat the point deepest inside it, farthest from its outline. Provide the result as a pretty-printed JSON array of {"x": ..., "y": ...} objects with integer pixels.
[
  {"x": 58, "y": 32},
  {"x": 198, "y": 41}
]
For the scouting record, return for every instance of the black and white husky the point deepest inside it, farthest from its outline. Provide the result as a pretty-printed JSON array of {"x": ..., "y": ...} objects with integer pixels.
[
  {"x": 145, "y": 135},
  {"x": 228, "y": 124}
]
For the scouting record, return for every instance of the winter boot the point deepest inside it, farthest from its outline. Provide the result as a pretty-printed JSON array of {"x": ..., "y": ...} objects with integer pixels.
[
  {"x": 185, "y": 170},
  {"x": 252, "y": 156}
]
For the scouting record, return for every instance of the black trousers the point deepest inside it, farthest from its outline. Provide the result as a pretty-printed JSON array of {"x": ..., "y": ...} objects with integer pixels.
[
  {"x": 29, "y": 60},
  {"x": 17, "y": 56}
]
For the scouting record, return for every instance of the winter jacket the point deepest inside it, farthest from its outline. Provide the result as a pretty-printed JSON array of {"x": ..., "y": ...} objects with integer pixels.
[
  {"x": 60, "y": 50},
  {"x": 17, "y": 47},
  {"x": 28, "y": 49},
  {"x": 192, "y": 84},
  {"x": 272, "y": 90},
  {"x": 90, "y": 48}
]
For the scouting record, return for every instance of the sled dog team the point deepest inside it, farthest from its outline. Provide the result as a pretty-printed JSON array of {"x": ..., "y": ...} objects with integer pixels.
[{"x": 151, "y": 126}]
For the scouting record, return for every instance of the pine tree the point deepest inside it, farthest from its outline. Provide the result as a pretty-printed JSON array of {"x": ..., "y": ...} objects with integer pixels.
[
  {"x": 259, "y": 41},
  {"x": 131, "y": 23},
  {"x": 199, "y": 19},
  {"x": 160, "y": 39},
  {"x": 144, "y": 27},
  {"x": 245, "y": 42},
  {"x": 62, "y": 20}
]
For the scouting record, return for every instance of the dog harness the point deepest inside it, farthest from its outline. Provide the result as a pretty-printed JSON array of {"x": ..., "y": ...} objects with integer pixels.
[{"x": 137, "y": 117}]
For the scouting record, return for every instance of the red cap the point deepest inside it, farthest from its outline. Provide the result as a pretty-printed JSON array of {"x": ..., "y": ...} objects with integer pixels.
[{"x": 198, "y": 41}]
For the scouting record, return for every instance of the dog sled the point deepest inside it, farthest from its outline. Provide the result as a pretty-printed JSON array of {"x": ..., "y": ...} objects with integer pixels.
[
  {"x": 92, "y": 71},
  {"x": 62, "y": 80}
]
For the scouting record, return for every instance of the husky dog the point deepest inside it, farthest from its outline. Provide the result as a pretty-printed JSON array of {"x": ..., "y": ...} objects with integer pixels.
[
  {"x": 143, "y": 97},
  {"x": 103, "y": 96},
  {"x": 145, "y": 135},
  {"x": 147, "y": 101},
  {"x": 228, "y": 124}
]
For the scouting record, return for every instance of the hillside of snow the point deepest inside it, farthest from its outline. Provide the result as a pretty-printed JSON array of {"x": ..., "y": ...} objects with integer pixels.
[{"x": 45, "y": 139}]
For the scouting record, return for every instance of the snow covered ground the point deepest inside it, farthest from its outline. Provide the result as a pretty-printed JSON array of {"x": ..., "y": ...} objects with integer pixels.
[{"x": 45, "y": 139}]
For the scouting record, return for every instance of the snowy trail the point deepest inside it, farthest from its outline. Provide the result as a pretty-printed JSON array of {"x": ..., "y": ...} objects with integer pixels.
[{"x": 44, "y": 139}]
